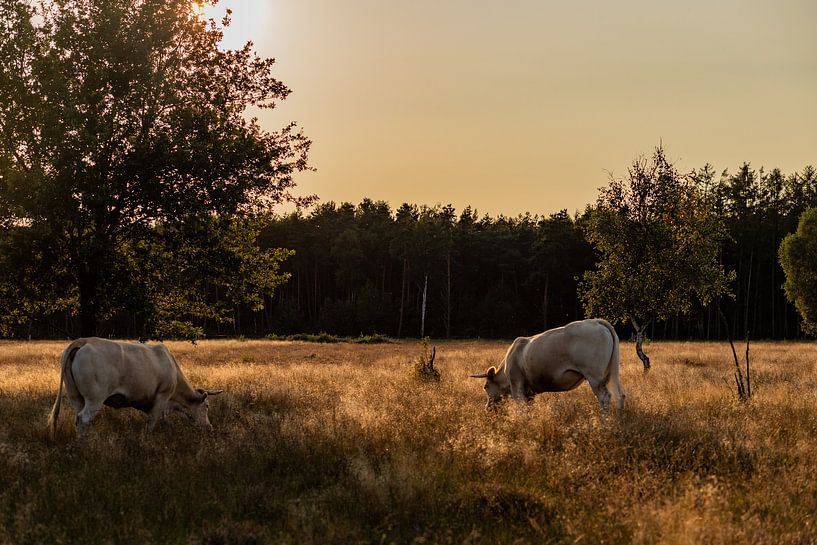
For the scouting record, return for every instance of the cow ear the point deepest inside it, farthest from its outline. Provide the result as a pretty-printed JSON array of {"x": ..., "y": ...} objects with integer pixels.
[
  {"x": 491, "y": 373},
  {"x": 202, "y": 394},
  {"x": 213, "y": 392}
]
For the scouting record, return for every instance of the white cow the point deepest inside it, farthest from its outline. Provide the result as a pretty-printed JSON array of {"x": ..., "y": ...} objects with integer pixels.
[
  {"x": 559, "y": 360},
  {"x": 99, "y": 372}
]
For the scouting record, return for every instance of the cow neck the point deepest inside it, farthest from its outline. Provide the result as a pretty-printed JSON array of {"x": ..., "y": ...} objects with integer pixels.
[
  {"x": 501, "y": 377},
  {"x": 184, "y": 391}
]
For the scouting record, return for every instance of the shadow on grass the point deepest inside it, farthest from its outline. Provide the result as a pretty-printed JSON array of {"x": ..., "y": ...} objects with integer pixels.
[
  {"x": 279, "y": 469},
  {"x": 679, "y": 442}
]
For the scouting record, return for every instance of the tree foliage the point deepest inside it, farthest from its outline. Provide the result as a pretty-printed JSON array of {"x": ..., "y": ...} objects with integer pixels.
[
  {"x": 798, "y": 256},
  {"x": 121, "y": 121}
]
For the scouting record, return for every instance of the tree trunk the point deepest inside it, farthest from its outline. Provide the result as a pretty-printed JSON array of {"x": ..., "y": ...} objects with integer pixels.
[
  {"x": 88, "y": 320},
  {"x": 383, "y": 286},
  {"x": 774, "y": 286},
  {"x": 423, "y": 314},
  {"x": 785, "y": 320},
  {"x": 639, "y": 341},
  {"x": 448, "y": 297},
  {"x": 708, "y": 318},
  {"x": 545, "y": 304},
  {"x": 748, "y": 293},
  {"x": 402, "y": 300},
  {"x": 315, "y": 297},
  {"x": 88, "y": 305}
]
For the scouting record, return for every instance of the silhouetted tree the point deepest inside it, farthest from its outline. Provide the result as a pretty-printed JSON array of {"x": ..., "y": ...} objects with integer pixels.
[{"x": 122, "y": 121}]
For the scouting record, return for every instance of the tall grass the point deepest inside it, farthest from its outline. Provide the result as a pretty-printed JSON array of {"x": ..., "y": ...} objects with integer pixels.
[{"x": 340, "y": 443}]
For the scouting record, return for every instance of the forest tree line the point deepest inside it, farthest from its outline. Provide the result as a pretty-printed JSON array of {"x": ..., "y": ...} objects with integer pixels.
[{"x": 364, "y": 268}]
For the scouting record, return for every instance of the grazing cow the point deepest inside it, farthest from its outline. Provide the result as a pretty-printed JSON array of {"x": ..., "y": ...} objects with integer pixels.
[
  {"x": 99, "y": 372},
  {"x": 559, "y": 360}
]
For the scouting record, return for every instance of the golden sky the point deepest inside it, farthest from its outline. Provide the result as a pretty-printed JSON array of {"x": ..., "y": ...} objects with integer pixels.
[{"x": 526, "y": 105}]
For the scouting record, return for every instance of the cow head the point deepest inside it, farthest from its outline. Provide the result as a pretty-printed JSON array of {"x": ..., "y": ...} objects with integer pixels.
[
  {"x": 196, "y": 407},
  {"x": 492, "y": 387}
]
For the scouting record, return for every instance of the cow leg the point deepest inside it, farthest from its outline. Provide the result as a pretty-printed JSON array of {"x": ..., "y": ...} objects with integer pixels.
[
  {"x": 603, "y": 395},
  {"x": 518, "y": 394},
  {"x": 77, "y": 401},
  {"x": 85, "y": 417},
  {"x": 621, "y": 396},
  {"x": 158, "y": 411}
]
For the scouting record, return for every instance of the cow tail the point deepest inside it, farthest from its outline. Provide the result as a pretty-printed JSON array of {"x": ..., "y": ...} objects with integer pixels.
[
  {"x": 66, "y": 359},
  {"x": 614, "y": 365}
]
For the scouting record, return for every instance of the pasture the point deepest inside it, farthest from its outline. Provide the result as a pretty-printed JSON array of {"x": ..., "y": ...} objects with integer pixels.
[{"x": 318, "y": 443}]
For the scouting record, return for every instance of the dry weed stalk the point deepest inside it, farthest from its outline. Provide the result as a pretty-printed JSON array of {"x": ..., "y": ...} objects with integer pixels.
[{"x": 424, "y": 366}]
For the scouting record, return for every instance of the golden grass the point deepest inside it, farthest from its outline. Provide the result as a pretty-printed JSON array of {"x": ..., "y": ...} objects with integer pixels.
[{"x": 340, "y": 443}]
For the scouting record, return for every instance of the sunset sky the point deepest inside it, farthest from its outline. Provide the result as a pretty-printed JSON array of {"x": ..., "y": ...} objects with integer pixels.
[{"x": 526, "y": 105}]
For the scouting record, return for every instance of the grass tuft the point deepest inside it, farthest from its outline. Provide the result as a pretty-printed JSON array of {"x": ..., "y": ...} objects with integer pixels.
[{"x": 423, "y": 367}]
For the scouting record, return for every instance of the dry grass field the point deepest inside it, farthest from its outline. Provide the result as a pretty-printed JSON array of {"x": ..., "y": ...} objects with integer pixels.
[{"x": 341, "y": 443}]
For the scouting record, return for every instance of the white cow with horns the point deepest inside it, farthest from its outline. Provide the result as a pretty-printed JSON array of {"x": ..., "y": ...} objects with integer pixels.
[
  {"x": 559, "y": 360},
  {"x": 99, "y": 372}
]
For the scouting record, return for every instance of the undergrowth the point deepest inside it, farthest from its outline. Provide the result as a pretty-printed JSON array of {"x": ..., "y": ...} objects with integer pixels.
[{"x": 327, "y": 338}]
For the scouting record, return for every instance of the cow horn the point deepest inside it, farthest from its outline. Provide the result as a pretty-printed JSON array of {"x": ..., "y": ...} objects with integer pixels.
[
  {"x": 481, "y": 375},
  {"x": 213, "y": 392}
]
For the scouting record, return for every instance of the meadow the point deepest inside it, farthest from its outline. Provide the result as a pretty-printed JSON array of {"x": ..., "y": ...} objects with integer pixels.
[{"x": 341, "y": 443}]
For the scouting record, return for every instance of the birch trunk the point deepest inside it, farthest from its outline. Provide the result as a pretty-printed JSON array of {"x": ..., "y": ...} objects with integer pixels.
[{"x": 423, "y": 315}]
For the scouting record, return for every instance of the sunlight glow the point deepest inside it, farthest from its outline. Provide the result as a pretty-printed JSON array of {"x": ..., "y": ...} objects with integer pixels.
[
  {"x": 249, "y": 21},
  {"x": 198, "y": 9}
]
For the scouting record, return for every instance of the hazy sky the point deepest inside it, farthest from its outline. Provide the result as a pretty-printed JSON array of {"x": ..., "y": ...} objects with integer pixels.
[{"x": 525, "y": 105}]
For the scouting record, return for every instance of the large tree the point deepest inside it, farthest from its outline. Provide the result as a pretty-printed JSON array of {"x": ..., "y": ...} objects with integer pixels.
[
  {"x": 657, "y": 237},
  {"x": 798, "y": 256},
  {"x": 122, "y": 123}
]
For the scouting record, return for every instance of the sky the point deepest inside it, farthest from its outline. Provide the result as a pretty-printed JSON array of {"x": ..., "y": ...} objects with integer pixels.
[{"x": 530, "y": 105}]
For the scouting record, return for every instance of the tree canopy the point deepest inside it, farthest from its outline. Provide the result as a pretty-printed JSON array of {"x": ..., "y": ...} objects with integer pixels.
[
  {"x": 798, "y": 256},
  {"x": 126, "y": 157}
]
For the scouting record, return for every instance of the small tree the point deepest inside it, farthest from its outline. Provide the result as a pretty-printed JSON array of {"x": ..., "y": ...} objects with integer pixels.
[
  {"x": 798, "y": 257},
  {"x": 658, "y": 243}
]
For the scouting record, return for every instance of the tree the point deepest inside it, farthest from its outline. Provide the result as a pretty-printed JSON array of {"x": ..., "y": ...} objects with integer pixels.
[
  {"x": 173, "y": 292},
  {"x": 120, "y": 119},
  {"x": 403, "y": 247},
  {"x": 658, "y": 243},
  {"x": 798, "y": 255}
]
